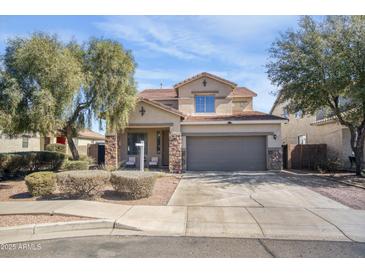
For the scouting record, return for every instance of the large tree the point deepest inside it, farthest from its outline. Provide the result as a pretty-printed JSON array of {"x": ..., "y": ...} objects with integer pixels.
[
  {"x": 321, "y": 67},
  {"x": 47, "y": 86}
]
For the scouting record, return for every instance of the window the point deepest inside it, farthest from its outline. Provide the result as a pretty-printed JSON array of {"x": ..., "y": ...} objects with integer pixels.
[
  {"x": 285, "y": 113},
  {"x": 158, "y": 142},
  {"x": 134, "y": 138},
  {"x": 204, "y": 104},
  {"x": 299, "y": 114},
  {"x": 302, "y": 139},
  {"x": 25, "y": 141}
]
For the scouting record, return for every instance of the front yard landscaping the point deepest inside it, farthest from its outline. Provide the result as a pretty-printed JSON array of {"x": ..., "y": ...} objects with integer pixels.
[{"x": 164, "y": 187}]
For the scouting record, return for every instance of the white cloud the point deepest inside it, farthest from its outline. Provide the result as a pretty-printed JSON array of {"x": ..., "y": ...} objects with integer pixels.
[{"x": 233, "y": 47}]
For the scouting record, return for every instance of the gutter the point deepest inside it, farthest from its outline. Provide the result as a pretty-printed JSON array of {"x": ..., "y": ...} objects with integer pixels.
[{"x": 227, "y": 122}]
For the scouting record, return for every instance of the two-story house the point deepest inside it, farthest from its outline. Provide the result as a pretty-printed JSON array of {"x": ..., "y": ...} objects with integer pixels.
[
  {"x": 203, "y": 123},
  {"x": 316, "y": 129}
]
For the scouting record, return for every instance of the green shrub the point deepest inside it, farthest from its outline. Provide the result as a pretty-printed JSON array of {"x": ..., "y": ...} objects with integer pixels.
[
  {"x": 82, "y": 183},
  {"x": 11, "y": 163},
  {"x": 332, "y": 165},
  {"x": 61, "y": 148},
  {"x": 41, "y": 183},
  {"x": 26, "y": 162},
  {"x": 75, "y": 165},
  {"x": 135, "y": 184}
]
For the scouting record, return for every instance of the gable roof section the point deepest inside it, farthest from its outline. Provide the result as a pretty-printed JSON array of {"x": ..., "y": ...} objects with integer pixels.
[
  {"x": 276, "y": 102},
  {"x": 89, "y": 134},
  {"x": 159, "y": 94},
  {"x": 208, "y": 75},
  {"x": 242, "y": 92},
  {"x": 161, "y": 106},
  {"x": 244, "y": 116}
]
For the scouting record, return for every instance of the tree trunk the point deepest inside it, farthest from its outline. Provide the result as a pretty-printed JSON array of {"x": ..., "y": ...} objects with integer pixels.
[
  {"x": 71, "y": 144},
  {"x": 359, "y": 155}
]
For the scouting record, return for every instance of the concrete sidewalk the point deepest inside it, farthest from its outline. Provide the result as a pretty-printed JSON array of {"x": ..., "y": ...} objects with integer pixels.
[{"x": 332, "y": 224}]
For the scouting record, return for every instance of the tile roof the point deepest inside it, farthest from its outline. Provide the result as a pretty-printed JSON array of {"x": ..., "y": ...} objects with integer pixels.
[
  {"x": 159, "y": 94},
  {"x": 244, "y": 116},
  {"x": 242, "y": 92},
  {"x": 89, "y": 134},
  {"x": 204, "y": 74}
]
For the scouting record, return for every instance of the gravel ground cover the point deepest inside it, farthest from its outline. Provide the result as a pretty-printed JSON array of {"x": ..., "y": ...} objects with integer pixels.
[
  {"x": 13, "y": 220},
  {"x": 351, "y": 196},
  {"x": 16, "y": 190}
]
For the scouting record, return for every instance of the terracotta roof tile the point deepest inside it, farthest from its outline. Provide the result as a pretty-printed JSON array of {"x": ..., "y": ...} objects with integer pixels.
[
  {"x": 158, "y": 94},
  {"x": 242, "y": 92},
  {"x": 89, "y": 134},
  {"x": 244, "y": 116}
]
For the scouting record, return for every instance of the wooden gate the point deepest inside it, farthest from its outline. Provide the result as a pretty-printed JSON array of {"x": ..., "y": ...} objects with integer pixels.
[{"x": 308, "y": 156}]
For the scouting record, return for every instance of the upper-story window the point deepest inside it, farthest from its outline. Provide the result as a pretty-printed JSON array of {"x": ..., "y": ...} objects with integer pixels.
[
  {"x": 204, "y": 103},
  {"x": 299, "y": 114}
]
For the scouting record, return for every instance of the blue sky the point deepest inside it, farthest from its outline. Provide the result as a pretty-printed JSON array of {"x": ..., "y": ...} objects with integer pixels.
[{"x": 169, "y": 49}]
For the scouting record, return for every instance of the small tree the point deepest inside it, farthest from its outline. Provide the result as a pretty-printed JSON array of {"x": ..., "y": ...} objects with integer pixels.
[
  {"x": 321, "y": 66},
  {"x": 48, "y": 87}
]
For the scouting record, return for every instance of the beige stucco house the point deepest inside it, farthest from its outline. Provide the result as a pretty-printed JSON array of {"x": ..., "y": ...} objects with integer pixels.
[
  {"x": 203, "y": 123},
  {"x": 315, "y": 129},
  {"x": 35, "y": 142}
]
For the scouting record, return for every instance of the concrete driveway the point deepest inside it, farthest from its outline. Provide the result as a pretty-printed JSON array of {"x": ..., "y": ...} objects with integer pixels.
[{"x": 247, "y": 189}]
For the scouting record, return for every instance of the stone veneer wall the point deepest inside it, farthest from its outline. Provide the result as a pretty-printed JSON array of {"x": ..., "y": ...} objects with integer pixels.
[
  {"x": 111, "y": 148},
  {"x": 175, "y": 152},
  {"x": 275, "y": 158}
]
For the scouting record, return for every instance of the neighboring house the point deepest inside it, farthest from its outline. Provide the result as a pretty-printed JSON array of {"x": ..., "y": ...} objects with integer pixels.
[
  {"x": 84, "y": 138},
  {"x": 316, "y": 129},
  {"x": 34, "y": 142},
  {"x": 203, "y": 123},
  {"x": 23, "y": 142}
]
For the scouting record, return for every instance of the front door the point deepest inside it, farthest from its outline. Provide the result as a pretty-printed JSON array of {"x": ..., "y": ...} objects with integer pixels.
[{"x": 165, "y": 148}]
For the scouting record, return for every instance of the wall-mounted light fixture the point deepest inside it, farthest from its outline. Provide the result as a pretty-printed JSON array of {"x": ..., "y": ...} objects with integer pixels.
[
  {"x": 274, "y": 136},
  {"x": 229, "y": 122}
]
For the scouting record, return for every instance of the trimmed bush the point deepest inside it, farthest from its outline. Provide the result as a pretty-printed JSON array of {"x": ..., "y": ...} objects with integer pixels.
[
  {"x": 135, "y": 184},
  {"x": 61, "y": 148},
  {"x": 85, "y": 183},
  {"x": 41, "y": 183},
  {"x": 26, "y": 162},
  {"x": 75, "y": 165},
  {"x": 10, "y": 163}
]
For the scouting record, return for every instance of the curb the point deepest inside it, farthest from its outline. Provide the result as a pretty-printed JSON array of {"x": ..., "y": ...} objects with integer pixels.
[{"x": 36, "y": 229}]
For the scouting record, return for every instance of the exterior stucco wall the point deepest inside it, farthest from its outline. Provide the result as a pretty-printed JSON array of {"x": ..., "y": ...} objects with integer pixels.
[
  {"x": 336, "y": 136},
  {"x": 220, "y": 90},
  {"x": 15, "y": 144},
  {"x": 153, "y": 115},
  {"x": 169, "y": 103},
  {"x": 242, "y": 104}
]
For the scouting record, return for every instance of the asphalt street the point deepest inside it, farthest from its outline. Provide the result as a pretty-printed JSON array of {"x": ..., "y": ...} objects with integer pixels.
[{"x": 175, "y": 247}]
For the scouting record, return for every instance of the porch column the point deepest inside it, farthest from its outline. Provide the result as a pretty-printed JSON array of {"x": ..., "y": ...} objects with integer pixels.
[
  {"x": 111, "y": 149},
  {"x": 275, "y": 158},
  {"x": 175, "y": 152}
]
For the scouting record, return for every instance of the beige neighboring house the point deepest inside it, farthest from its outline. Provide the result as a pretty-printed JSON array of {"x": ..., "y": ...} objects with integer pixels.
[
  {"x": 35, "y": 142},
  {"x": 23, "y": 142},
  {"x": 316, "y": 129},
  {"x": 202, "y": 123}
]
